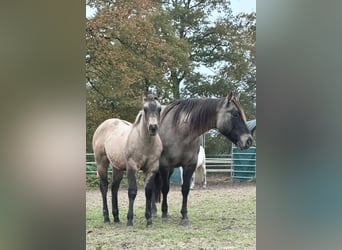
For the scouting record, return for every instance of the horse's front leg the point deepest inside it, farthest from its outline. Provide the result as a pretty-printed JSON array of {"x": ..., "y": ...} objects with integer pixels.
[
  {"x": 116, "y": 179},
  {"x": 149, "y": 184},
  {"x": 132, "y": 191},
  {"x": 187, "y": 174},
  {"x": 165, "y": 176}
]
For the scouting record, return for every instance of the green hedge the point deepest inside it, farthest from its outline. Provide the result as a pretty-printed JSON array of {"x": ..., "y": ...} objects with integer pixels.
[{"x": 93, "y": 181}]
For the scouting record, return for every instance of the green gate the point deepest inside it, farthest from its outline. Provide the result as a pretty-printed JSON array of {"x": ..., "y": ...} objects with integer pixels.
[{"x": 243, "y": 164}]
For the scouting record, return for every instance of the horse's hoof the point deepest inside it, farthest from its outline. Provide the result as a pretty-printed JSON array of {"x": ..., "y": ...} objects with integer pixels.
[
  {"x": 165, "y": 218},
  {"x": 107, "y": 222},
  {"x": 130, "y": 224},
  {"x": 184, "y": 222},
  {"x": 116, "y": 220},
  {"x": 149, "y": 224},
  {"x": 154, "y": 215}
]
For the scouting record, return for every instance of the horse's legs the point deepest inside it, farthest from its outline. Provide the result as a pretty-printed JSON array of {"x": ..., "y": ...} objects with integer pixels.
[
  {"x": 132, "y": 193},
  {"x": 116, "y": 179},
  {"x": 204, "y": 185},
  {"x": 192, "y": 186},
  {"x": 153, "y": 205},
  {"x": 165, "y": 189},
  {"x": 102, "y": 171},
  {"x": 187, "y": 174},
  {"x": 149, "y": 184}
]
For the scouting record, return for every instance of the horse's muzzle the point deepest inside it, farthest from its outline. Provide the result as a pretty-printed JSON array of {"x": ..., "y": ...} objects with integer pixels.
[
  {"x": 153, "y": 129},
  {"x": 245, "y": 142}
]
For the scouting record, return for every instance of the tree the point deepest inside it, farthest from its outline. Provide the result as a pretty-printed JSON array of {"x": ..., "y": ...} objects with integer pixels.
[
  {"x": 131, "y": 49},
  {"x": 166, "y": 47}
]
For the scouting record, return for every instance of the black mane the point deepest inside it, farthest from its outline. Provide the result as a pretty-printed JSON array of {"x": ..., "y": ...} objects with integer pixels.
[{"x": 198, "y": 112}]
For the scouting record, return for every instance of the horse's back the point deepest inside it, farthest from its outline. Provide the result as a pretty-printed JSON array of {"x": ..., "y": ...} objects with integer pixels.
[{"x": 109, "y": 141}]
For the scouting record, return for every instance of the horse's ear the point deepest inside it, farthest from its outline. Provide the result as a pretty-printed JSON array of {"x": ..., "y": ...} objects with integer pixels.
[
  {"x": 230, "y": 96},
  {"x": 146, "y": 96},
  {"x": 159, "y": 96}
]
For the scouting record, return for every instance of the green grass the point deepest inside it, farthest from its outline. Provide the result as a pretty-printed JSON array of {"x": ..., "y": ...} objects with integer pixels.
[{"x": 218, "y": 220}]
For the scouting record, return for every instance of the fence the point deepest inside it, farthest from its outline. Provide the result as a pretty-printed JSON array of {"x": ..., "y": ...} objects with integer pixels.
[
  {"x": 215, "y": 164},
  {"x": 243, "y": 164},
  {"x": 220, "y": 164}
]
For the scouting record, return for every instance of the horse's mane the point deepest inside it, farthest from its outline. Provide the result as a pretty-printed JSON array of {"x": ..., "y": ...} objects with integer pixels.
[
  {"x": 138, "y": 118},
  {"x": 197, "y": 112}
]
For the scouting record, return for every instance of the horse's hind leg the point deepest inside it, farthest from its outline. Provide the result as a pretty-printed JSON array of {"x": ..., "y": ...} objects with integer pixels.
[
  {"x": 153, "y": 205},
  {"x": 116, "y": 179},
  {"x": 102, "y": 171},
  {"x": 156, "y": 194},
  {"x": 132, "y": 192},
  {"x": 204, "y": 176}
]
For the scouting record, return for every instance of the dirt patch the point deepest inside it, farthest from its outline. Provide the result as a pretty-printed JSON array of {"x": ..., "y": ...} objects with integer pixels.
[
  {"x": 222, "y": 216},
  {"x": 216, "y": 185},
  {"x": 235, "y": 191}
]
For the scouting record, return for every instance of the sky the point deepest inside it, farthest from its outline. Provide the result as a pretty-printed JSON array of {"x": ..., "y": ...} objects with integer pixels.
[
  {"x": 243, "y": 6},
  {"x": 237, "y": 7}
]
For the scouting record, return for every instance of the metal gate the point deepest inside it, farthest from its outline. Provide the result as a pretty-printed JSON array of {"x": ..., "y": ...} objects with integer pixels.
[{"x": 243, "y": 164}]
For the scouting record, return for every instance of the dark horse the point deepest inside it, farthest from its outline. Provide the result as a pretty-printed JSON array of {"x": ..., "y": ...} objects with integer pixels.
[
  {"x": 130, "y": 147},
  {"x": 181, "y": 124}
]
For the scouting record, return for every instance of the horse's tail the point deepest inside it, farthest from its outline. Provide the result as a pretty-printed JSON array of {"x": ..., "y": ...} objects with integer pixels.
[{"x": 157, "y": 187}]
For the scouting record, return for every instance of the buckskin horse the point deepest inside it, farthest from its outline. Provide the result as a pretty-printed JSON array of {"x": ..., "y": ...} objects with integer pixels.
[{"x": 130, "y": 147}]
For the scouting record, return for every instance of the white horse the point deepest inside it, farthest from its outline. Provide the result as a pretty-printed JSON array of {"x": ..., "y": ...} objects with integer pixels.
[{"x": 200, "y": 174}]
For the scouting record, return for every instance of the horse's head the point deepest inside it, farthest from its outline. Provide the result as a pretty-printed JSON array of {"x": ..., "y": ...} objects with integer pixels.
[
  {"x": 231, "y": 122},
  {"x": 151, "y": 112}
]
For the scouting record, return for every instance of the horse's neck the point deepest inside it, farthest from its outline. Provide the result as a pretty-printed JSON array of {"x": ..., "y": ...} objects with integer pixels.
[
  {"x": 208, "y": 114},
  {"x": 209, "y": 126},
  {"x": 143, "y": 133}
]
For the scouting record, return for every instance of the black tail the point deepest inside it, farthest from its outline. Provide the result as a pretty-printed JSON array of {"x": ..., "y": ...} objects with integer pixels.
[{"x": 157, "y": 187}]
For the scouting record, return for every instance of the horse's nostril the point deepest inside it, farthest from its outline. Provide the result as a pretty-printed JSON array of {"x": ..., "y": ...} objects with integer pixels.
[
  {"x": 153, "y": 128},
  {"x": 249, "y": 141}
]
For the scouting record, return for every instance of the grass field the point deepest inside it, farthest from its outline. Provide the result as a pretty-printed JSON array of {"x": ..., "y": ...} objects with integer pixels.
[{"x": 223, "y": 216}]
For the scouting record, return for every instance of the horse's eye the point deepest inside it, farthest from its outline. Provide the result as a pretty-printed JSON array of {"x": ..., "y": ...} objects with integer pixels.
[
  {"x": 159, "y": 109},
  {"x": 145, "y": 110}
]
